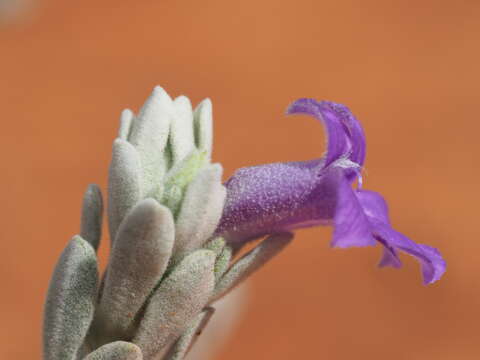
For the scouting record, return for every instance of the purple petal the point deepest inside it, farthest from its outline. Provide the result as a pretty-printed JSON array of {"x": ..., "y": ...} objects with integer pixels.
[
  {"x": 389, "y": 257},
  {"x": 373, "y": 205},
  {"x": 352, "y": 227},
  {"x": 376, "y": 209},
  {"x": 437, "y": 269},
  {"x": 358, "y": 144},
  {"x": 345, "y": 136},
  {"x": 433, "y": 265},
  {"x": 337, "y": 141}
]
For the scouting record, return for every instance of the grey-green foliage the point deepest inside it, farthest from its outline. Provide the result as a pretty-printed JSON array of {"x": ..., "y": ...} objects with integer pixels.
[
  {"x": 124, "y": 183},
  {"x": 178, "y": 299},
  {"x": 70, "y": 301},
  {"x": 118, "y": 350},
  {"x": 201, "y": 209},
  {"x": 92, "y": 215},
  {"x": 166, "y": 267},
  {"x": 223, "y": 262},
  {"x": 251, "y": 262},
  {"x": 184, "y": 343},
  {"x": 182, "y": 139},
  {"x": 179, "y": 176},
  {"x": 149, "y": 136},
  {"x": 138, "y": 260}
]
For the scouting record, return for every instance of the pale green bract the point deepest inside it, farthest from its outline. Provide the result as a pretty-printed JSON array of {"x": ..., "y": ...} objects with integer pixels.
[{"x": 165, "y": 200}]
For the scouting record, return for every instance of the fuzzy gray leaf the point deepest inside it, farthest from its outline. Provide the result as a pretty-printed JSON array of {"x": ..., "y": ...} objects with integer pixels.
[
  {"x": 70, "y": 301},
  {"x": 183, "y": 345},
  {"x": 223, "y": 253},
  {"x": 179, "y": 298},
  {"x": 216, "y": 245},
  {"x": 126, "y": 120},
  {"x": 181, "y": 130},
  {"x": 179, "y": 176},
  {"x": 223, "y": 262},
  {"x": 92, "y": 213},
  {"x": 203, "y": 125},
  {"x": 124, "y": 187},
  {"x": 200, "y": 211},
  {"x": 149, "y": 134},
  {"x": 119, "y": 350},
  {"x": 138, "y": 260},
  {"x": 251, "y": 262}
]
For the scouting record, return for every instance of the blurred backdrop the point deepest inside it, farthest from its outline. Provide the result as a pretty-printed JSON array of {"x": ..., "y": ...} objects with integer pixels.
[{"x": 408, "y": 70}]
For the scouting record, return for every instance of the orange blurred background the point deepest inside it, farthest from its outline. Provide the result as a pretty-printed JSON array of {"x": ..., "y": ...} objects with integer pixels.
[{"x": 408, "y": 70}]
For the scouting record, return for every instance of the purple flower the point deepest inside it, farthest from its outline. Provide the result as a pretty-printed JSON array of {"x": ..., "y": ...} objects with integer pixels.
[{"x": 281, "y": 197}]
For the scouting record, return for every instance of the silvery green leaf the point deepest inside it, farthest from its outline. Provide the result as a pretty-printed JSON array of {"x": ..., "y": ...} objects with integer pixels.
[
  {"x": 149, "y": 134},
  {"x": 216, "y": 245},
  {"x": 203, "y": 126},
  {"x": 92, "y": 213},
  {"x": 251, "y": 262},
  {"x": 222, "y": 262},
  {"x": 179, "y": 298},
  {"x": 172, "y": 197},
  {"x": 138, "y": 260},
  {"x": 179, "y": 176},
  {"x": 229, "y": 310},
  {"x": 126, "y": 120},
  {"x": 124, "y": 183},
  {"x": 200, "y": 211},
  {"x": 182, "y": 346},
  {"x": 181, "y": 129},
  {"x": 223, "y": 253},
  {"x": 119, "y": 350},
  {"x": 70, "y": 301}
]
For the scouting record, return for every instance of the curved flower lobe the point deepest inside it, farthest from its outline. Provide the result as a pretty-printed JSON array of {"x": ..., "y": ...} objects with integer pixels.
[
  {"x": 376, "y": 209},
  {"x": 345, "y": 136}
]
